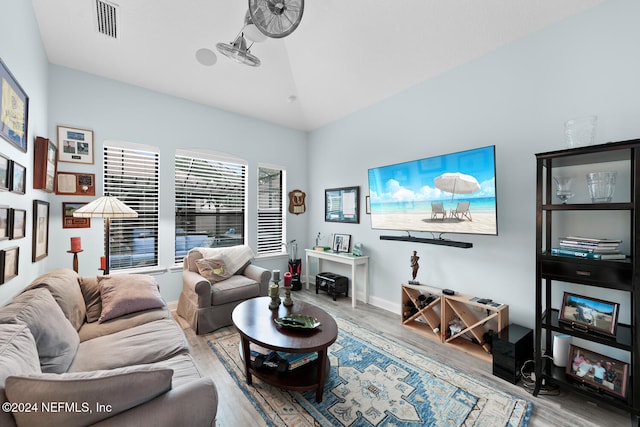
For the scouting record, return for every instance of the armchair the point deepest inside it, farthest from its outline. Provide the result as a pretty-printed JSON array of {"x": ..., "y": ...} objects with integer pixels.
[{"x": 206, "y": 304}]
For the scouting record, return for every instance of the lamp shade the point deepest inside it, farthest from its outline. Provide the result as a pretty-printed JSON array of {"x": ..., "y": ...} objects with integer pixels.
[{"x": 105, "y": 207}]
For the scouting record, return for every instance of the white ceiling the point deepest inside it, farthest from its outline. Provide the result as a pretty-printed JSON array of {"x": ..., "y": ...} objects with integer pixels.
[{"x": 344, "y": 56}]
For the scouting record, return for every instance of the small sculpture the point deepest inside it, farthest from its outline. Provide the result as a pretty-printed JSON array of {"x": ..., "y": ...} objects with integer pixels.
[{"x": 414, "y": 267}]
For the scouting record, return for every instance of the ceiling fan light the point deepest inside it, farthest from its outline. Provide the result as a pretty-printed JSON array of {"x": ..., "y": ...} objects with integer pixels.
[{"x": 251, "y": 31}]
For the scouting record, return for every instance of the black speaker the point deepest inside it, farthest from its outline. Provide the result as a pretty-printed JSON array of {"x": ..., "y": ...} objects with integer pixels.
[{"x": 512, "y": 347}]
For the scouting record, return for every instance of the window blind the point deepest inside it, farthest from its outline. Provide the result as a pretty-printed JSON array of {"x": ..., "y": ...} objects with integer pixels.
[
  {"x": 132, "y": 175},
  {"x": 271, "y": 215}
]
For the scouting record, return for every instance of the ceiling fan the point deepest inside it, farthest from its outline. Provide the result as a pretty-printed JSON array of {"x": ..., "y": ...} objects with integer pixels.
[{"x": 276, "y": 18}]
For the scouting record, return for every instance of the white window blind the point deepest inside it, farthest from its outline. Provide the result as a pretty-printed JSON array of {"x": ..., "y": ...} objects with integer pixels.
[
  {"x": 210, "y": 202},
  {"x": 271, "y": 214},
  {"x": 132, "y": 175}
]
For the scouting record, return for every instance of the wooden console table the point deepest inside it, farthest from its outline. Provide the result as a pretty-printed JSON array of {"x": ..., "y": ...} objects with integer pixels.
[{"x": 342, "y": 258}]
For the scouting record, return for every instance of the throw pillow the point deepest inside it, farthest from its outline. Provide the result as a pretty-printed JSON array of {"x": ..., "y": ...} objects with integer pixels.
[
  {"x": 214, "y": 269},
  {"x": 91, "y": 294},
  {"x": 55, "y": 337},
  {"x": 63, "y": 285},
  {"x": 127, "y": 293},
  {"x": 121, "y": 389}
]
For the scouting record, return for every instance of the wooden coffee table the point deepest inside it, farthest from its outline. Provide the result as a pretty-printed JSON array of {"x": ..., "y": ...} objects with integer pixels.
[{"x": 254, "y": 321}]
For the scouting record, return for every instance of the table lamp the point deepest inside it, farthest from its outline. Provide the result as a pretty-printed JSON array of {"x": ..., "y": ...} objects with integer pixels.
[{"x": 106, "y": 207}]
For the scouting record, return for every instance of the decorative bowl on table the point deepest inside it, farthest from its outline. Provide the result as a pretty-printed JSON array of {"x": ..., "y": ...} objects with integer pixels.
[{"x": 297, "y": 321}]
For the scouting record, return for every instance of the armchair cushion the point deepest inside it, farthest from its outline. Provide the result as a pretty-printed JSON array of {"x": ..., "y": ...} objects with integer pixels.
[
  {"x": 121, "y": 389},
  {"x": 214, "y": 269},
  {"x": 237, "y": 257},
  {"x": 56, "y": 339},
  {"x": 127, "y": 293}
]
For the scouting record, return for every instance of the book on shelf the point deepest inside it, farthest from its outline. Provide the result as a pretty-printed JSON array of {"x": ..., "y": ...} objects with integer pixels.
[
  {"x": 588, "y": 247},
  {"x": 295, "y": 359},
  {"x": 592, "y": 240},
  {"x": 586, "y": 254}
]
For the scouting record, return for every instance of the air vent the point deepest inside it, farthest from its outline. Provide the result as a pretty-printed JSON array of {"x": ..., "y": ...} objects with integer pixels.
[{"x": 107, "y": 14}]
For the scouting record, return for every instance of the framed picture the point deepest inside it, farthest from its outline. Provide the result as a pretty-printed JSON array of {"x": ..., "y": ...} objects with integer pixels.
[
  {"x": 598, "y": 371},
  {"x": 9, "y": 263},
  {"x": 17, "y": 223},
  {"x": 68, "y": 220},
  {"x": 5, "y": 169},
  {"x": 40, "y": 247},
  {"x": 18, "y": 177},
  {"x": 589, "y": 314},
  {"x": 75, "y": 145},
  {"x": 76, "y": 184},
  {"x": 341, "y": 242},
  {"x": 342, "y": 205},
  {"x": 13, "y": 121},
  {"x": 368, "y": 204},
  {"x": 4, "y": 222},
  {"x": 44, "y": 164}
]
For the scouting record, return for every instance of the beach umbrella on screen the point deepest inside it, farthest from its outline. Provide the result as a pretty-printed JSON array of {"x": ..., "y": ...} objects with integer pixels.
[{"x": 456, "y": 183}]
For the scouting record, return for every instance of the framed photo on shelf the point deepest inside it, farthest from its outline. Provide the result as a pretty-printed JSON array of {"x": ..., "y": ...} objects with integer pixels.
[
  {"x": 18, "y": 178},
  {"x": 9, "y": 263},
  {"x": 75, "y": 145},
  {"x": 342, "y": 205},
  {"x": 589, "y": 314},
  {"x": 69, "y": 221},
  {"x": 40, "y": 247},
  {"x": 4, "y": 222},
  {"x": 596, "y": 370},
  {"x": 5, "y": 170},
  {"x": 341, "y": 242},
  {"x": 13, "y": 121},
  {"x": 17, "y": 223}
]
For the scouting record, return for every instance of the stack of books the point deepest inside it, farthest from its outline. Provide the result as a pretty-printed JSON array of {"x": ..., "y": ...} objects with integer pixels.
[{"x": 589, "y": 247}]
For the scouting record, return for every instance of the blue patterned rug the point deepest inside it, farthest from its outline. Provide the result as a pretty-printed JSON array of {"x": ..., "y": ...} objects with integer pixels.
[{"x": 377, "y": 382}]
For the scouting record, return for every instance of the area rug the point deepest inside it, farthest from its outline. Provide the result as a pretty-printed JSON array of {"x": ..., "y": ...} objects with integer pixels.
[{"x": 375, "y": 381}]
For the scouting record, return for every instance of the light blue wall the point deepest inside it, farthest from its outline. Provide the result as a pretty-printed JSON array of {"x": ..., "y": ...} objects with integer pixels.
[{"x": 517, "y": 98}]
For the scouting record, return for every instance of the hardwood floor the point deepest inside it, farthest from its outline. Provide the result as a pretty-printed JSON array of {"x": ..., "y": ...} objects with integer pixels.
[{"x": 562, "y": 410}]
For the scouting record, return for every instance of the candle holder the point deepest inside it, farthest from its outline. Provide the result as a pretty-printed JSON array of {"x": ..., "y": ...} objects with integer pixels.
[
  {"x": 75, "y": 259},
  {"x": 288, "y": 302},
  {"x": 274, "y": 293}
]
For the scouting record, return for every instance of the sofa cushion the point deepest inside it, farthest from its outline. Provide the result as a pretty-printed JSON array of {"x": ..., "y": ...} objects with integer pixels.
[
  {"x": 91, "y": 294},
  {"x": 127, "y": 293},
  {"x": 214, "y": 269},
  {"x": 63, "y": 285},
  {"x": 147, "y": 343},
  {"x": 97, "y": 329},
  {"x": 18, "y": 356},
  {"x": 120, "y": 389},
  {"x": 55, "y": 337}
]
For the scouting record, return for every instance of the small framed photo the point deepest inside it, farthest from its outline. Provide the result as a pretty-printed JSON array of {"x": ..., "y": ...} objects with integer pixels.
[
  {"x": 15, "y": 109},
  {"x": 4, "y": 222},
  {"x": 18, "y": 178},
  {"x": 75, "y": 145},
  {"x": 589, "y": 314},
  {"x": 69, "y": 221},
  {"x": 9, "y": 263},
  {"x": 596, "y": 370},
  {"x": 17, "y": 223},
  {"x": 341, "y": 242},
  {"x": 5, "y": 170},
  {"x": 40, "y": 246}
]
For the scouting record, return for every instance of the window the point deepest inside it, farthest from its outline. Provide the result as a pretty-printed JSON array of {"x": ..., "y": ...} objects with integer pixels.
[
  {"x": 131, "y": 175},
  {"x": 210, "y": 201},
  {"x": 271, "y": 215}
]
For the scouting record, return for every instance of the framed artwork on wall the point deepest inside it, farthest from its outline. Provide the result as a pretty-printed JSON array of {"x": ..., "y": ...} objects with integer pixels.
[
  {"x": 17, "y": 223},
  {"x": 18, "y": 178},
  {"x": 68, "y": 220},
  {"x": 76, "y": 184},
  {"x": 342, "y": 205},
  {"x": 13, "y": 122},
  {"x": 44, "y": 164},
  {"x": 40, "y": 247},
  {"x": 5, "y": 169},
  {"x": 4, "y": 222},
  {"x": 75, "y": 145},
  {"x": 9, "y": 263}
]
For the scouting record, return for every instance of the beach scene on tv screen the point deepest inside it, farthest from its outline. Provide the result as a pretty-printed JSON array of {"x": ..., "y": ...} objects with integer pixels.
[{"x": 451, "y": 193}]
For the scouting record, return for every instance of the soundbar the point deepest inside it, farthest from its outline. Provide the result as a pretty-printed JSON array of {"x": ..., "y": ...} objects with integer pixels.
[{"x": 442, "y": 242}]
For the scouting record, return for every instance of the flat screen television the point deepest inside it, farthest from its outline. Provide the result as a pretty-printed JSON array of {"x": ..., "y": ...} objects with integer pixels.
[{"x": 451, "y": 193}]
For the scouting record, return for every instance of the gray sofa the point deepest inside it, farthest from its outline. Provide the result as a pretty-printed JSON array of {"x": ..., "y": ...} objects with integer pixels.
[
  {"x": 206, "y": 303},
  {"x": 101, "y": 351}
]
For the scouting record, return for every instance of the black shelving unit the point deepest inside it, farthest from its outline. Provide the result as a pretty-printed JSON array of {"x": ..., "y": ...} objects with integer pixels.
[{"x": 620, "y": 275}]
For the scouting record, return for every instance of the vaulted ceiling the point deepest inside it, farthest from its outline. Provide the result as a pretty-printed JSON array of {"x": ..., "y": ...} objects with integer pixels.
[{"x": 344, "y": 56}]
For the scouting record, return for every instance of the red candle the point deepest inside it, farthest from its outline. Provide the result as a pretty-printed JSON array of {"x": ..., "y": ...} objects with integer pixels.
[
  {"x": 103, "y": 263},
  {"x": 75, "y": 244},
  {"x": 287, "y": 279}
]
